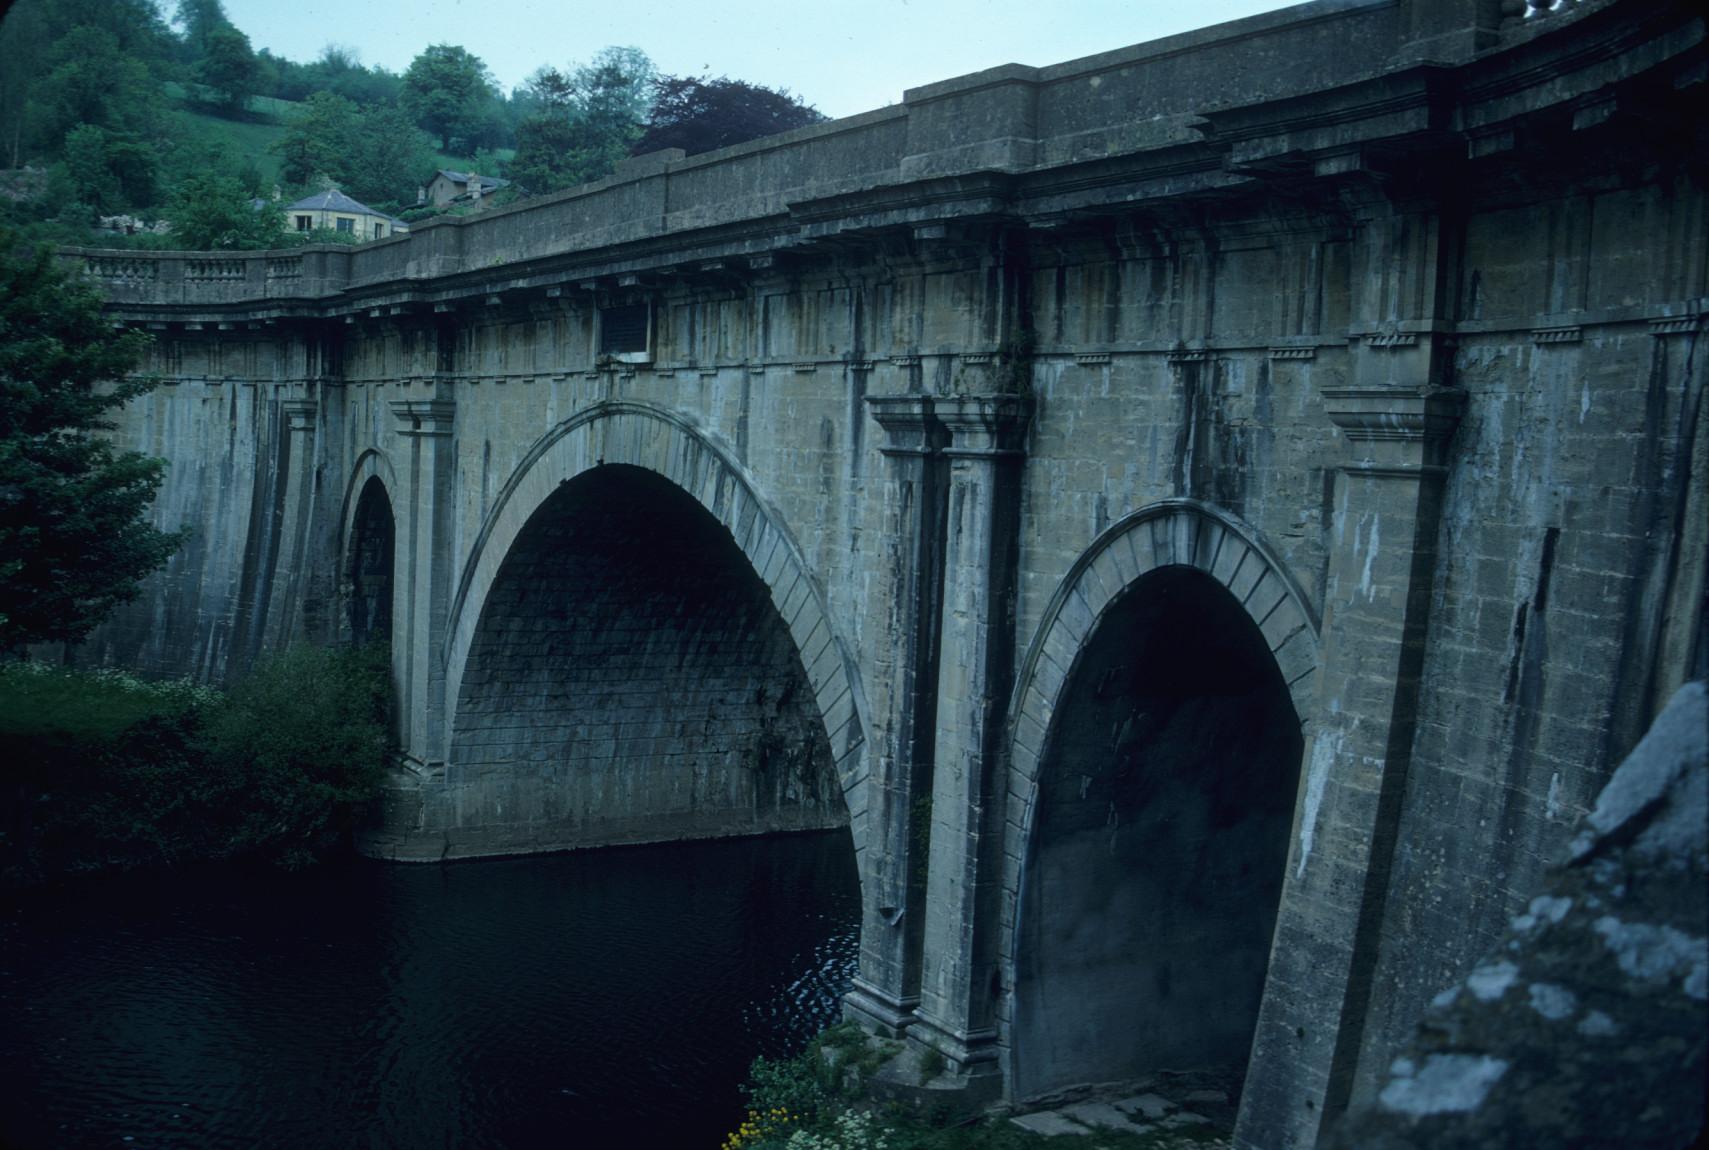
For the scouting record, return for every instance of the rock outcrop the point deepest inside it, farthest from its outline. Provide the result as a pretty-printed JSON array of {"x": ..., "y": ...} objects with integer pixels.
[{"x": 1588, "y": 1027}]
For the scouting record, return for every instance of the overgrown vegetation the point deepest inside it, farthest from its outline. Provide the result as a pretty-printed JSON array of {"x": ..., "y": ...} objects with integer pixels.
[
  {"x": 105, "y": 771},
  {"x": 819, "y": 1101}
]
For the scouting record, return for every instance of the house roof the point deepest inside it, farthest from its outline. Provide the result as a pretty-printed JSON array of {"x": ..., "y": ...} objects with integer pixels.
[
  {"x": 333, "y": 200},
  {"x": 463, "y": 178}
]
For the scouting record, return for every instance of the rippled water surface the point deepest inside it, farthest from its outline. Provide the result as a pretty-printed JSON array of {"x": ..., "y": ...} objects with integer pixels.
[{"x": 609, "y": 998}]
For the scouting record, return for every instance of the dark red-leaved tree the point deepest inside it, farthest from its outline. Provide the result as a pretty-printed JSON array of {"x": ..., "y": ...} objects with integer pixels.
[{"x": 700, "y": 114}]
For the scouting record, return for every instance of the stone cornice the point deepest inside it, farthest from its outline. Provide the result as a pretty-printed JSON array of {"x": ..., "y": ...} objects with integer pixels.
[
  {"x": 1368, "y": 413},
  {"x": 1395, "y": 431}
]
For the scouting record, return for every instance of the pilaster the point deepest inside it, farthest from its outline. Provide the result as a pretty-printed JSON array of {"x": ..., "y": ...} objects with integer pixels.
[
  {"x": 419, "y": 631},
  {"x": 960, "y": 982},
  {"x": 1387, "y": 509},
  {"x": 290, "y": 556},
  {"x": 887, "y": 989}
]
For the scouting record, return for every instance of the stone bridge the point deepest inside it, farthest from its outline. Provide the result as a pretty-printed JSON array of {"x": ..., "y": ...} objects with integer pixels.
[{"x": 1207, "y": 516}]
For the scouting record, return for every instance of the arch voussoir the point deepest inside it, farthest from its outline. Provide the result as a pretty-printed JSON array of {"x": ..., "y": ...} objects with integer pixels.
[
  {"x": 1232, "y": 557},
  {"x": 1103, "y": 582}
]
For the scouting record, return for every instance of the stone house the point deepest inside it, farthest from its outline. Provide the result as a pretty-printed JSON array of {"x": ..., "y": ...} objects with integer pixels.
[
  {"x": 447, "y": 186},
  {"x": 335, "y": 211}
]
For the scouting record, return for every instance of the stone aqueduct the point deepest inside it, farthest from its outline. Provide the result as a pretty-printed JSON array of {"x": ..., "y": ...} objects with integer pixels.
[{"x": 1214, "y": 512}]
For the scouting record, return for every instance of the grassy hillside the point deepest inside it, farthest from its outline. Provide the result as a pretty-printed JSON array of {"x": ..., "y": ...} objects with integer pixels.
[
  {"x": 252, "y": 139},
  {"x": 249, "y": 140}
]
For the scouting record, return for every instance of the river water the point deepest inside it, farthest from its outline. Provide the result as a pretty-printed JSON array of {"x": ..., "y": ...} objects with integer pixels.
[{"x": 601, "y": 999}]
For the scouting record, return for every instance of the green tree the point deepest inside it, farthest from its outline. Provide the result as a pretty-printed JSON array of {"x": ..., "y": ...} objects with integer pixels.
[
  {"x": 110, "y": 171},
  {"x": 86, "y": 162},
  {"x": 211, "y": 211},
  {"x": 318, "y": 139},
  {"x": 447, "y": 90},
  {"x": 375, "y": 154},
  {"x": 583, "y": 121},
  {"x": 698, "y": 115},
  {"x": 24, "y": 40},
  {"x": 73, "y": 541},
  {"x": 229, "y": 68},
  {"x": 200, "y": 20},
  {"x": 393, "y": 158},
  {"x": 341, "y": 72},
  {"x": 70, "y": 62},
  {"x": 92, "y": 81}
]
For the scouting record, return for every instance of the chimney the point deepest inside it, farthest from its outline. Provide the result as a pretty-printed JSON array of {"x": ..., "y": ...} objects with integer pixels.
[
  {"x": 420, "y": 194},
  {"x": 474, "y": 186}
]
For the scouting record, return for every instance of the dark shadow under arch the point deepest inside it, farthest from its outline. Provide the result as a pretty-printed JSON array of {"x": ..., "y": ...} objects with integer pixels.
[
  {"x": 1158, "y": 844},
  {"x": 631, "y": 679},
  {"x": 372, "y": 557}
]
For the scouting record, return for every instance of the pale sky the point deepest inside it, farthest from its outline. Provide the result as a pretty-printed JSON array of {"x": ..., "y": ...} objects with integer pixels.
[{"x": 842, "y": 56}]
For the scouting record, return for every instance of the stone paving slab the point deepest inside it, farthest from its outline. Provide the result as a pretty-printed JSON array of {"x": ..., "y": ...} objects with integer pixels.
[
  {"x": 1135, "y": 1114},
  {"x": 1105, "y": 1114},
  {"x": 1049, "y": 1122},
  {"x": 1151, "y": 1106}
]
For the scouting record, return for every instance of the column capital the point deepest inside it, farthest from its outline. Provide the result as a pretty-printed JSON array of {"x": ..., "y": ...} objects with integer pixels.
[
  {"x": 909, "y": 425},
  {"x": 424, "y": 416},
  {"x": 985, "y": 425},
  {"x": 1395, "y": 430},
  {"x": 300, "y": 412}
]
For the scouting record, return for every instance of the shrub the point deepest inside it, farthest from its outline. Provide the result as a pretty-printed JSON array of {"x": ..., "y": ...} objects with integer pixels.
[
  {"x": 108, "y": 771},
  {"x": 305, "y": 734}
]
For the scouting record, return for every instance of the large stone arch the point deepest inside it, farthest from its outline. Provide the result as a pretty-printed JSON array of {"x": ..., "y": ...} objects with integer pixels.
[
  {"x": 670, "y": 445},
  {"x": 1175, "y": 541}
]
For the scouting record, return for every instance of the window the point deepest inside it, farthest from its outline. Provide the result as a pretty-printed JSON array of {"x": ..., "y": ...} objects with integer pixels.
[
  {"x": 346, "y": 225},
  {"x": 379, "y": 230},
  {"x": 625, "y": 332},
  {"x": 305, "y": 223}
]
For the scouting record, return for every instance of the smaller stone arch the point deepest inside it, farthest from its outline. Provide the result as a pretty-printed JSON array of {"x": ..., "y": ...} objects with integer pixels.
[
  {"x": 1174, "y": 536},
  {"x": 372, "y": 468}
]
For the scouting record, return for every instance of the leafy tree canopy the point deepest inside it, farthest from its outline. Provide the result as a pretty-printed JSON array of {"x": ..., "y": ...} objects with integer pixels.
[
  {"x": 375, "y": 154},
  {"x": 229, "y": 67},
  {"x": 200, "y": 20},
  {"x": 92, "y": 81},
  {"x": 583, "y": 121},
  {"x": 70, "y": 62},
  {"x": 73, "y": 541},
  {"x": 448, "y": 90},
  {"x": 111, "y": 171},
  {"x": 211, "y": 210},
  {"x": 339, "y": 70},
  {"x": 698, "y": 115}
]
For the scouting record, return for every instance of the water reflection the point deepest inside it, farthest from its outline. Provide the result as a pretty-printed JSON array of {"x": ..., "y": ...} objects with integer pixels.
[{"x": 604, "y": 998}]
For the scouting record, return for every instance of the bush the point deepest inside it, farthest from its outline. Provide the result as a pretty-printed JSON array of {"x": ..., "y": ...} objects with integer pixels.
[
  {"x": 305, "y": 734},
  {"x": 109, "y": 772}
]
